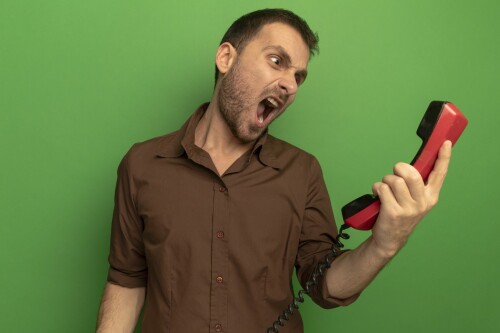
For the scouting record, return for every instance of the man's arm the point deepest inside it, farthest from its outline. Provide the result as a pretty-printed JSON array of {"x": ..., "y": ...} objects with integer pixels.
[
  {"x": 120, "y": 308},
  {"x": 405, "y": 200}
]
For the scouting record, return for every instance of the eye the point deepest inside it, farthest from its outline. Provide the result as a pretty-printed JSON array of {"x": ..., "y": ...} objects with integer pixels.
[
  {"x": 297, "y": 80},
  {"x": 275, "y": 59}
]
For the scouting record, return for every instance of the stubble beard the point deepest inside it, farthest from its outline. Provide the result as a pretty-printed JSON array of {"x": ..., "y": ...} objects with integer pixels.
[{"x": 234, "y": 100}]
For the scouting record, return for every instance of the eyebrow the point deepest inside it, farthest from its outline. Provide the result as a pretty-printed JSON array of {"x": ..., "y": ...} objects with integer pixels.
[{"x": 286, "y": 57}]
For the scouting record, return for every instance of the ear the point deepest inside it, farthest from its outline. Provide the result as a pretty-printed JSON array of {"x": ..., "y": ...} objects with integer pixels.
[{"x": 225, "y": 57}]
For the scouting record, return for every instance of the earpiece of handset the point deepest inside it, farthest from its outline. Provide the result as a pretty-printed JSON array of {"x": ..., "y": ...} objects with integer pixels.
[{"x": 442, "y": 121}]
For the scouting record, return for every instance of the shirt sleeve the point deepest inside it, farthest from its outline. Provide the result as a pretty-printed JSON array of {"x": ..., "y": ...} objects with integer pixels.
[
  {"x": 127, "y": 263},
  {"x": 317, "y": 238}
]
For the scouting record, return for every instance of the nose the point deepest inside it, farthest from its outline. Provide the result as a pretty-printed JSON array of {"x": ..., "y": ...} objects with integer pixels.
[{"x": 287, "y": 84}]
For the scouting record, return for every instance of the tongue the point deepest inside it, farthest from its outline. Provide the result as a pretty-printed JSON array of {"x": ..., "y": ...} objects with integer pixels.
[{"x": 260, "y": 112}]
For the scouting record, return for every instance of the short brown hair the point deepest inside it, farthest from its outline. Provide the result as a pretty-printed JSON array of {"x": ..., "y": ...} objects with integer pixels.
[{"x": 246, "y": 27}]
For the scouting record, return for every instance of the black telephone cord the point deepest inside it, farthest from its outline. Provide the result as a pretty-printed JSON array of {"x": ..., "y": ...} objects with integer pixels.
[{"x": 318, "y": 272}]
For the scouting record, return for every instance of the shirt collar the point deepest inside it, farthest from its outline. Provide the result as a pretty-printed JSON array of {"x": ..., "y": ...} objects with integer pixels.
[
  {"x": 266, "y": 150},
  {"x": 180, "y": 142},
  {"x": 174, "y": 144}
]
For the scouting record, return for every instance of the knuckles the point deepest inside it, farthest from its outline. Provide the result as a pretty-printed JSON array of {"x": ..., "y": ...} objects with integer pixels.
[
  {"x": 407, "y": 172},
  {"x": 393, "y": 181},
  {"x": 414, "y": 176},
  {"x": 399, "y": 182},
  {"x": 402, "y": 169}
]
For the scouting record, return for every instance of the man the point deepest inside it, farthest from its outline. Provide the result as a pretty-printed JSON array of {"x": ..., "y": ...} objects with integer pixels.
[{"x": 210, "y": 220}]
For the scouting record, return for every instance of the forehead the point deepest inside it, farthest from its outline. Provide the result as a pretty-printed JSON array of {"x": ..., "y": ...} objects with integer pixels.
[{"x": 284, "y": 36}]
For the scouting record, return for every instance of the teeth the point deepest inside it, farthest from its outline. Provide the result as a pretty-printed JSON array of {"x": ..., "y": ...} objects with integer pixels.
[
  {"x": 272, "y": 101},
  {"x": 261, "y": 118}
]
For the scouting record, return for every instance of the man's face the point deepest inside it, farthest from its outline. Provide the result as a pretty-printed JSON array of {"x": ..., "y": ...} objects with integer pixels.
[{"x": 263, "y": 81}]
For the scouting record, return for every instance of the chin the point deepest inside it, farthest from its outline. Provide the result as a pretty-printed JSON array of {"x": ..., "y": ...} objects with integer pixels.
[{"x": 249, "y": 137}]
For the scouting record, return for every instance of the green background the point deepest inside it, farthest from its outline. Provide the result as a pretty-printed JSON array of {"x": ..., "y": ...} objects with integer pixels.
[{"x": 81, "y": 81}]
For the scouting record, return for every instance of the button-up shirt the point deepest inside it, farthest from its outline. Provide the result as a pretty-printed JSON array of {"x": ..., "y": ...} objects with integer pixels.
[{"x": 215, "y": 252}]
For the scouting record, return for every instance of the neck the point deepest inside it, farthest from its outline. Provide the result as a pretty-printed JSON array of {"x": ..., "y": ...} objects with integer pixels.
[{"x": 214, "y": 136}]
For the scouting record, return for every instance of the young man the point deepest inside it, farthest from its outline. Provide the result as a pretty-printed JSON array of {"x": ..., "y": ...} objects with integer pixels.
[{"x": 210, "y": 220}]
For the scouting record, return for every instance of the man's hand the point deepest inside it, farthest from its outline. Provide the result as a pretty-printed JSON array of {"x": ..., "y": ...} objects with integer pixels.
[{"x": 405, "y": 200}]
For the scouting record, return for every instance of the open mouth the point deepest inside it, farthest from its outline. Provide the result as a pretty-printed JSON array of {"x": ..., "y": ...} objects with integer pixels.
[{"x": 267, "y": 107}]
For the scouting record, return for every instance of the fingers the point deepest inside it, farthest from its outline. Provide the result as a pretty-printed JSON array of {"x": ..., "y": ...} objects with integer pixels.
[
  {"x": 413, "y": 180},
  {"x": 406, "y": 187},
  {"x": 438, "y": 174},
  {"x": 399, "y": 189},
  {"x": 384, "y": 192}
]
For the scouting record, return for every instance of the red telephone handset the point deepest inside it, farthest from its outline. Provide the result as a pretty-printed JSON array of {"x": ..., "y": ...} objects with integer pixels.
[{"x": 442, "y": 121}]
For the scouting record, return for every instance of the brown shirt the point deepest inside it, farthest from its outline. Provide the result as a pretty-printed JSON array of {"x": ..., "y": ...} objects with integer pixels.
[{"x": 216, "y": 253}]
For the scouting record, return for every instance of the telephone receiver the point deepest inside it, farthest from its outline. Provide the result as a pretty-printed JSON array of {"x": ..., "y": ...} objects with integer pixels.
[{"x": 442, "y": 121}]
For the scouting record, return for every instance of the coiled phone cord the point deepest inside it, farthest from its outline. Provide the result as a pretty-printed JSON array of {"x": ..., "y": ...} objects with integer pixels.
[{"x": 318, "y": 272}]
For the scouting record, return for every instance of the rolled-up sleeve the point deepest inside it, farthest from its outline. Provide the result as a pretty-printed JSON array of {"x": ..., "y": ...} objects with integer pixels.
[
  {"x": 127, "y": 263},
  {"x": 317, "y": 238}
]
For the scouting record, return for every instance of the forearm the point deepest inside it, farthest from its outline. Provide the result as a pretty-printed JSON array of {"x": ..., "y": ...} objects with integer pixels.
[
  {"x": 353, "y": 271},
  {"x": 120, "y": 308}
]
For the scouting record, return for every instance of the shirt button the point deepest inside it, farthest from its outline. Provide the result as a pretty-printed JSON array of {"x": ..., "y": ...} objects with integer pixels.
[
  {"x": 219, "y": 279},
  {"x": 222, "y": 189},
  {"x": 218, "y": 327},
  {"x": 220, "y": 234}
]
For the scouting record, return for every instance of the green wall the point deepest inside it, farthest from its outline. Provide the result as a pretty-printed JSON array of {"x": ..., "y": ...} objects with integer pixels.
[{"x": 80, "y": 81}]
